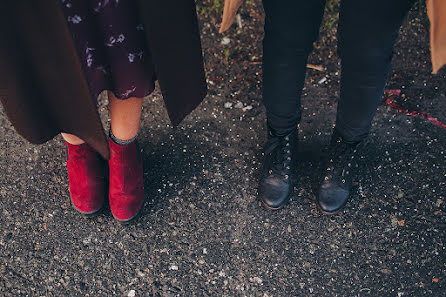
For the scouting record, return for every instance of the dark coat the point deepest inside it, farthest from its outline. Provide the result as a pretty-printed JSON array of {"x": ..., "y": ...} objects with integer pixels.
[{"x": 43, "y": 88}]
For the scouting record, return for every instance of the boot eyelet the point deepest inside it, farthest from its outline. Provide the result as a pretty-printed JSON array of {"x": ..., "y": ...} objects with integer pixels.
[
  {"x": 288, "y": 167},
  {"x": 343, "y": 181},
  {"x": 326, "y": 178},
  {"x": 287, "y": 144},
  {"x": 270, "y": 171},
  {"x": 287, "y": 138},
  {"x": 349, "y": 165},
  {"x": 286, "y": 176},
  {"x": 288, "y": 158}
]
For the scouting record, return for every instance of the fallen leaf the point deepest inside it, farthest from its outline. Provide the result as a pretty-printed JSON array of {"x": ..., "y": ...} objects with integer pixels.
[
  {"x": 435, "y": 280},
  {"x": 401, "y": 223},
  {"x": 316, "y": 67}
]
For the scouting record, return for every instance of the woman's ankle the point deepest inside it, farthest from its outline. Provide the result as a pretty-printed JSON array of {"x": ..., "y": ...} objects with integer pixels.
[{"x": 122, "y": 141}]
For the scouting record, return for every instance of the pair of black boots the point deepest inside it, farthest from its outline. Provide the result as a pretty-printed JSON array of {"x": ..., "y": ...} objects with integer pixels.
[{"x": 335, "y": 173}]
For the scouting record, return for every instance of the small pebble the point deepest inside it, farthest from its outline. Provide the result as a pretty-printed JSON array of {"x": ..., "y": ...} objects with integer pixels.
[
  {"x": 256, "y": 279},
  {"x": 225, "y": 41},
  {"x": 239, "y": 105},
  {"x": 324, "y": 79}
]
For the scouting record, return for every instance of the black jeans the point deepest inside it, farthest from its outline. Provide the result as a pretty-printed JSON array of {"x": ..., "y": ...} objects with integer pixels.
[{"x": 367, "y": 31}]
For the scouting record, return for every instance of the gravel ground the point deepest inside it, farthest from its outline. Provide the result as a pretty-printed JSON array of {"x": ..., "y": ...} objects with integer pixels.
[{"x": 202, "y": 231}]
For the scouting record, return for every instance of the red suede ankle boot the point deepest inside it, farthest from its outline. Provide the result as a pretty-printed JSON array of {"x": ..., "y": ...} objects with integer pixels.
[
  {"x": 86, "y": 176},
  {"x": 126, "y": 190}
]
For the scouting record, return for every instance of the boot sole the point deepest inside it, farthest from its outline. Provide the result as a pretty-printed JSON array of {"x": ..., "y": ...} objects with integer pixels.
[
  {"x": 137, "y": 215},
  {"x": 91, "y": 214},
  {"x": 330, "y": 213}
]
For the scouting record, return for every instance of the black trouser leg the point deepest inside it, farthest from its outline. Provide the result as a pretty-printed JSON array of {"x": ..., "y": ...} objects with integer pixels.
[
  {"x": 291, "y": 27},
  {"x": 367, "y": 32}
]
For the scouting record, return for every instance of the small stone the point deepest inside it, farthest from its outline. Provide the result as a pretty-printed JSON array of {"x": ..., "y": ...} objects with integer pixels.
[
  {"x": 205, "y": 251},
  {"x": 131, "y": 293},
  {"x": 400, "y": 194},
  {"x": 225, "y": 41},
  {"x": 386, "y": 271},
  {"x": 228, "y": 105},
  {"x": 86, "y": 240},
  {"x": 394, "y": 221},
  {"x": 140, "y": 273},
  {"x": 246, "y": 108},
  {"x": 256, "y": 279},
  {"x": 324, "y": 79},
  {"x": 238, "y": 105},
  {"x": 173, "y": 267},
  {"x": 289, "y": 229}
]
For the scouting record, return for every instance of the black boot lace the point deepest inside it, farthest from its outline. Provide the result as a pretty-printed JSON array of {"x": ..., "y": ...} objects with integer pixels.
[
  {"x": 278, "y": 150},
  {"x": 341, "y": 161}
]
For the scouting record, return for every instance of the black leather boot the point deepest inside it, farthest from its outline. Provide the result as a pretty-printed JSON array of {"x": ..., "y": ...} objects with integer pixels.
[
  {"x": 336, "y": 175},
  {"x": 275, "y": 186}
]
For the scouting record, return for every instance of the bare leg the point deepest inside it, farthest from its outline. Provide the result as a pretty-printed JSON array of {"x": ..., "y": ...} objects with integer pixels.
[
  {"x": 125, "y": 116},
  {"x": 72, "y": 139}
]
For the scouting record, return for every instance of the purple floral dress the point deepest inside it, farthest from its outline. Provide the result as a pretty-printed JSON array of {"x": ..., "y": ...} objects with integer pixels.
[{"x": 112, "y": 46}]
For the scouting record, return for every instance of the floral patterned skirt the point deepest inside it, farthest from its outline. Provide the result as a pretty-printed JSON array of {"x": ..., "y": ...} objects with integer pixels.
[{"x": 112, "y": 46}]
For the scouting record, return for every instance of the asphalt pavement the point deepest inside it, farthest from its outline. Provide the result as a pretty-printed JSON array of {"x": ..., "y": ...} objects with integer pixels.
[{"x": 202, "y": 231}]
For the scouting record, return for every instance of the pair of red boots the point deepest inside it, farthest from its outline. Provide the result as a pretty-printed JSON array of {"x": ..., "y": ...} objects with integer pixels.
[{"x": 87, "y": 179}]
